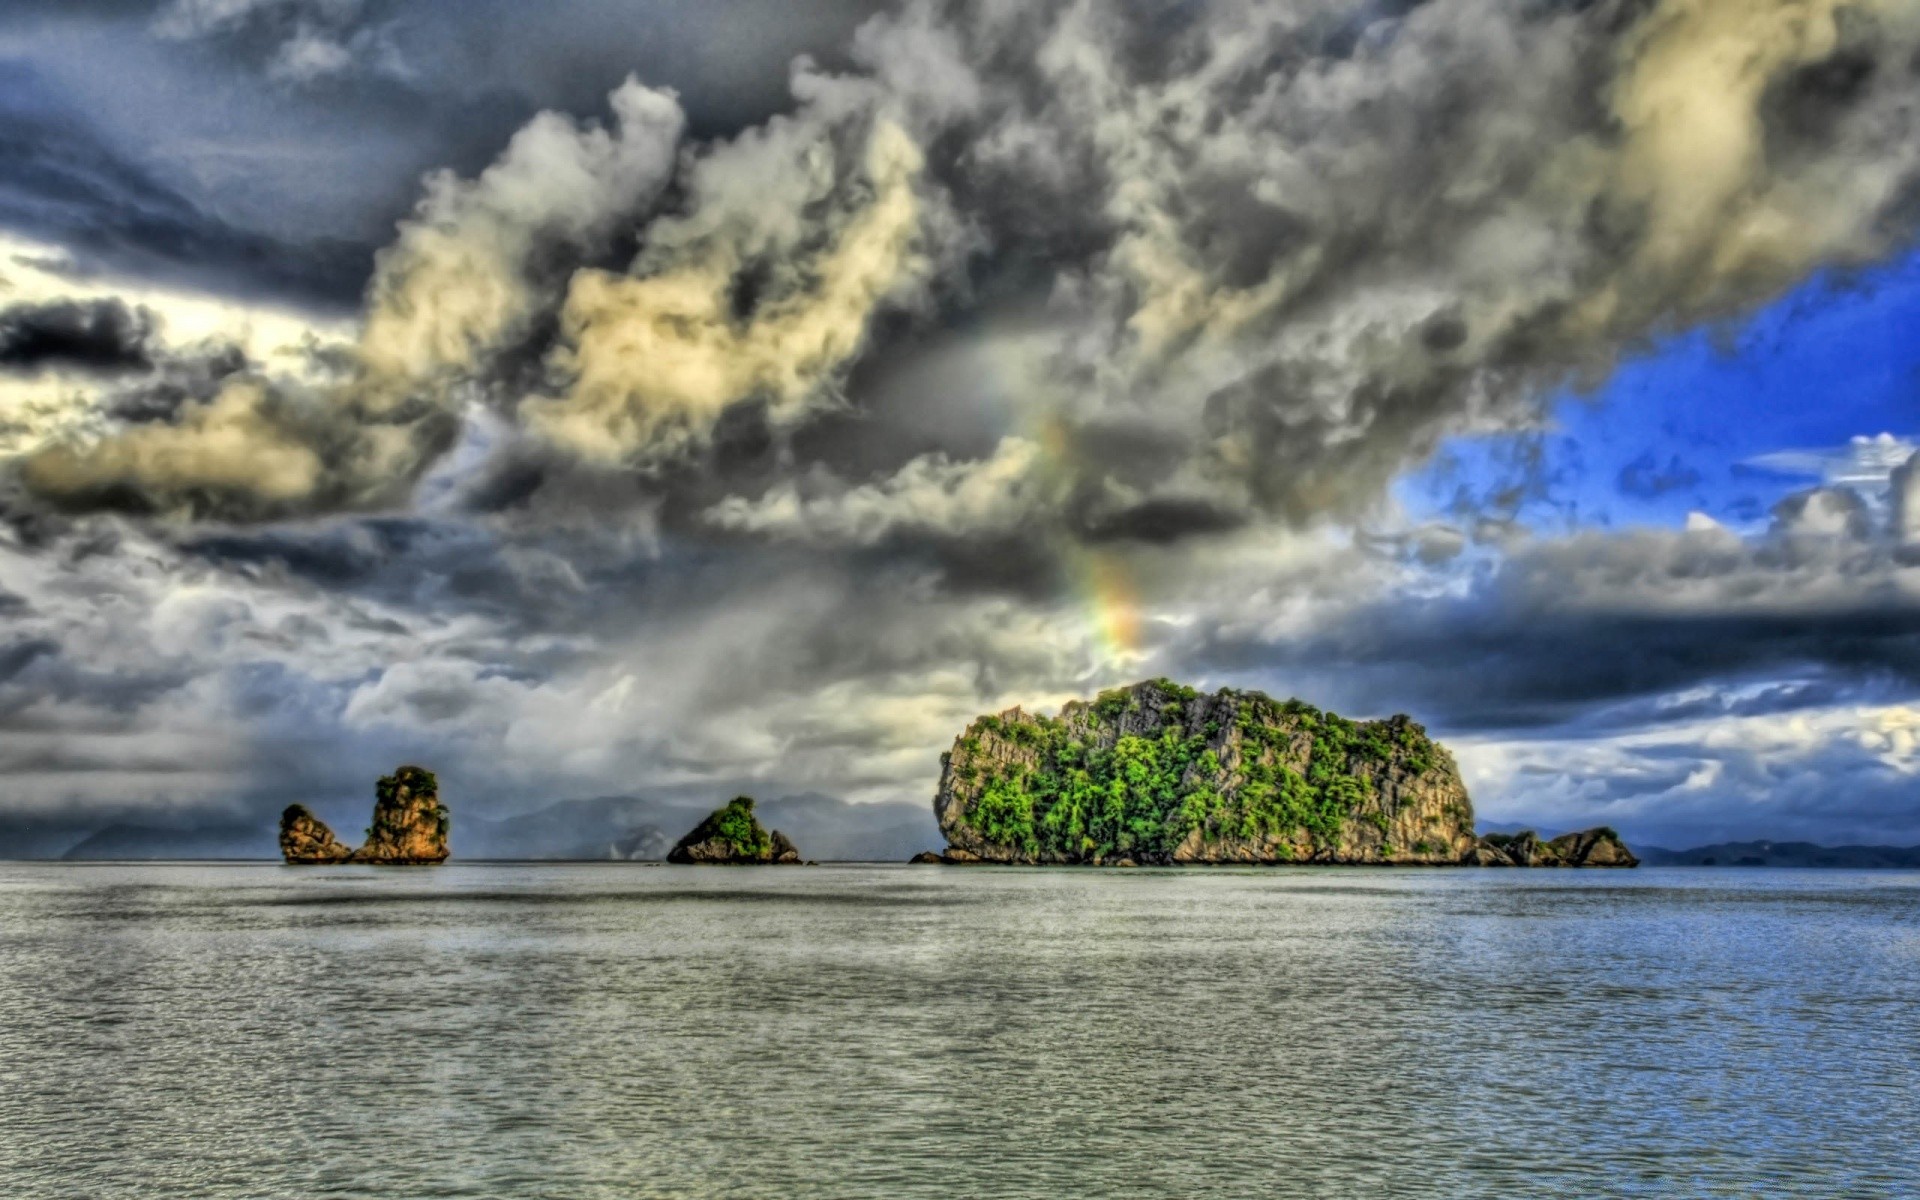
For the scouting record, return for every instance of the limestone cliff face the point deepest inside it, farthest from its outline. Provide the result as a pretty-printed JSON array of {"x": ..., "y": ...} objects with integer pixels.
[
  {"x": 732, "y": 836},
  {"x": 305, "y": 839},
  {"x": 1159, "y": 773},
  {"x": 409, "y": 822},
  {"x": 409, "y": 826}
]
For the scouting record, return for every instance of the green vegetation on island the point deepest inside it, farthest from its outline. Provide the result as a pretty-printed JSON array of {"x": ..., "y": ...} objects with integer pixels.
[
  {"x": 733, "y": 835},
  {"x": 1159, "y": 772}
]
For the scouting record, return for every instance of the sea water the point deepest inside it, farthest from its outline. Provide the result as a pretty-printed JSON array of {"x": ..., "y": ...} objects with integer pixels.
[{"x": 887, "y": 1031}]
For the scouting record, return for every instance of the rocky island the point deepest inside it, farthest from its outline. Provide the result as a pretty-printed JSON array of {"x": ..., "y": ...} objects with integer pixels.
[
  {"x": 732, "y": 836},
  {"x": 1599, "y": 847},
  {"x": 1158, "y": 773},
  {"x": 409, "y": 826},
  {"x": 305, "y": 839}
]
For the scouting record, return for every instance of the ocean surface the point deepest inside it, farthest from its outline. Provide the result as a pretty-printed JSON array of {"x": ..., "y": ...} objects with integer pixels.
[{"x": 843, "y": 1031}]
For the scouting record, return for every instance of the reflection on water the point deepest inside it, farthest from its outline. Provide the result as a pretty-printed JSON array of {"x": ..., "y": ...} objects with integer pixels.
[{"x": 630, "y": 1031}]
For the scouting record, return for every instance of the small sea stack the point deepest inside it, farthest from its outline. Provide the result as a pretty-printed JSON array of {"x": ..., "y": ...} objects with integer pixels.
[
  {"x": 305, "y": 839},
  {"x": 409, "y": 827},
  {"x": 732, "y": 836}
]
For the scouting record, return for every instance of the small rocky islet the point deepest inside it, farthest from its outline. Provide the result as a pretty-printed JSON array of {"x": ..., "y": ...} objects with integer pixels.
[
  {"x": 409, "y": 827},
  {"x": 1162, "y": 774},
  {"x": 732, "y": 835}
]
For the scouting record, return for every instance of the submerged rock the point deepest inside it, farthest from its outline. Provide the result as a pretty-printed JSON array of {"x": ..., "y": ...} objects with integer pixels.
[
  {"x": 409, "y": 826},
  {"x": 732, "y": 836},
  {"x": 1598, "y": 847},
  {"x": 950, "y": 857},
  {"x": 305, "y": 838}
]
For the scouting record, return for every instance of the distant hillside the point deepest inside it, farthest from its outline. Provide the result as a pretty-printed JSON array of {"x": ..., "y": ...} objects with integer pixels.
[
  {"x": 124, "y": 842},
  {"x": 40, "y": 837},
  {"x": 605, "y": 827},
  {"x": 1782, "y": 854}
]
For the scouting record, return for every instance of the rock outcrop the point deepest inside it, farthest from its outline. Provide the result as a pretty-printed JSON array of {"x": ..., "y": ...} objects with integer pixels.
[
  {"x": 732, "y": 836},
  {"x": 409, "y": 822},
  {"x": 306, "y": 840},
  {"x": 953, "y": 856},
  {"x": 1160, "y": 773},
  {"x": 409, "y": 826},
  {"x": 1599, "y": 847}
]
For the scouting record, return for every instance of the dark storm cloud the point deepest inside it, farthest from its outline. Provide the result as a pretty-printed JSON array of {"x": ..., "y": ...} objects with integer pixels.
[
  {"x": 89, "y": 335},
  {"x": 1613, "y": 630},
  {"x": 65, "y": 184},
  {"x": 730, "y": 65},
  {"x": 433, "y": 567},
  {"x": 38, "y": 670},
  {"x": 309, "y": 125},
  {"x": 18, "y": 656},
  {"x": 1282, "y": 261},
  {"x": 385, "y": 641},
  {"x": 194, "y": 376},
  {"x": 1231, "y": 346}
]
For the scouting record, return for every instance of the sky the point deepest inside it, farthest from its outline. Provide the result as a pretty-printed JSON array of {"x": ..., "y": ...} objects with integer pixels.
[{"x": 634, "y": 397}]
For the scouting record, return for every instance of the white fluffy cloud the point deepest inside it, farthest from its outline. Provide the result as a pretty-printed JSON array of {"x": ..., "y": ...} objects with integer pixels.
[
  {"x": 657, "y": 355},
  {"x": 1833, "y": 776},
  {"x": 469, "y": 271},
  {"x": 931, "y": 496}
]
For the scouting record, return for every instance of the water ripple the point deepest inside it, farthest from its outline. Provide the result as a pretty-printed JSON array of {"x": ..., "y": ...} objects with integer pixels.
[{"x": 623, "y": 1031}]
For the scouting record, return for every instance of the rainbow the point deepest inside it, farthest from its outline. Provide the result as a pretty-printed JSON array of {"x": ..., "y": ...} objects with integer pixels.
[
  {"x": 1100, "y": 577},
  {"x": 1112, "y": 603}
]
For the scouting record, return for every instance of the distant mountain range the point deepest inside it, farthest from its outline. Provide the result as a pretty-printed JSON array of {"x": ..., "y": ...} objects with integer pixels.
[
  {"x": 634, "y": 828},
  {"x": 1781, "y": 854},
  {"x": 600, "y": 829}
]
